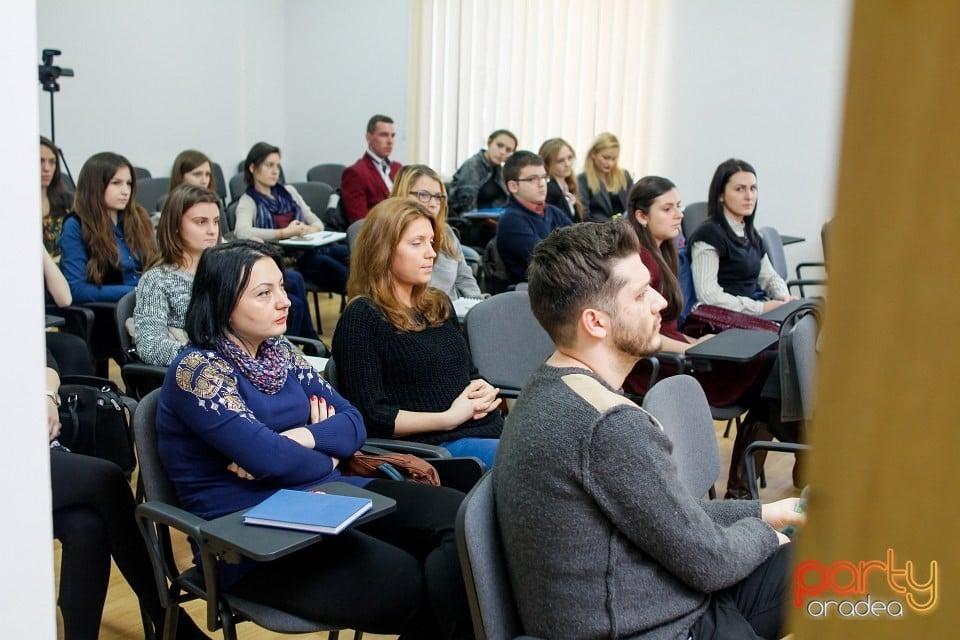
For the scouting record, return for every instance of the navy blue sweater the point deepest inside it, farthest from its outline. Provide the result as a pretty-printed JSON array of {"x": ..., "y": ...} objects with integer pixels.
[{"x": 520, "y": 230}]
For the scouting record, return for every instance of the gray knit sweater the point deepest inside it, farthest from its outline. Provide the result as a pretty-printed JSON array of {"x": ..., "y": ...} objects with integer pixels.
[
  {"x": 452, "y": 275},
  {"x": 601, "y": 538},
  {"x": 163, "y": 295}
]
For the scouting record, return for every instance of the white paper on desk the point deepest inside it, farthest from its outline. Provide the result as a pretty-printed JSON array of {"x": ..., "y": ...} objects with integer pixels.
[
  {"x": 462, "y": 305},
  {"x": 315, "y": 239}
]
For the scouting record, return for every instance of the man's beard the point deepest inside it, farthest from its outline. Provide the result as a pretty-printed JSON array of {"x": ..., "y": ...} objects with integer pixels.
[{"x": 628, "y": 340}]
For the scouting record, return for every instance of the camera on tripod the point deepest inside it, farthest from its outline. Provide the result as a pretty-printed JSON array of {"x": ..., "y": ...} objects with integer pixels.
[{"x": 49, "y": 73}]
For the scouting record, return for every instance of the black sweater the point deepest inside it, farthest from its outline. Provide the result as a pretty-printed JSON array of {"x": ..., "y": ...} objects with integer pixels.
[
  {"x": 739, "y": 257},
  {"x": 382, "y": 370}
]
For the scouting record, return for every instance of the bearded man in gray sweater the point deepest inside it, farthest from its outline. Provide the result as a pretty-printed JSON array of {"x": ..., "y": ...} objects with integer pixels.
[{"x": 602, "y": 539}]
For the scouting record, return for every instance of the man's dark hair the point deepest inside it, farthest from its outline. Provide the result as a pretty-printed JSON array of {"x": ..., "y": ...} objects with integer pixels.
[
  {"x": 516, "y": 163},
  {"x": 222, "y": 275},
  {"x": 372, "y": 122},
  {"x": 572, "y": 269}
]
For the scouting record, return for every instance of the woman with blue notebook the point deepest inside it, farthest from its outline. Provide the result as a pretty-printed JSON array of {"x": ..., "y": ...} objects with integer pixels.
[{"x": 242, "y": 414}]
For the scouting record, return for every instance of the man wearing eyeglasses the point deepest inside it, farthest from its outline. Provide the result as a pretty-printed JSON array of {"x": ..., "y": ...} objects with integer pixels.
[{"x": 528, "y": 218}]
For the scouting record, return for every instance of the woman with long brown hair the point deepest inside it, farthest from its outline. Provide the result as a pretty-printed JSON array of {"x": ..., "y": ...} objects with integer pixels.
[
  {"x": 562, "y": 191},
  {"x": 400, "y": 355},
  {"x": 108, "y": 238}
]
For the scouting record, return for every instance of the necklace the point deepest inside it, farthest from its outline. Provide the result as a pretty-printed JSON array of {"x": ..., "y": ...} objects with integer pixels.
[{"x": 577, "y": 360}]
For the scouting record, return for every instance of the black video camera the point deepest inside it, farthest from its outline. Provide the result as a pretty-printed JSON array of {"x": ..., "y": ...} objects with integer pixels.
[{"x": 49, "y": 74}]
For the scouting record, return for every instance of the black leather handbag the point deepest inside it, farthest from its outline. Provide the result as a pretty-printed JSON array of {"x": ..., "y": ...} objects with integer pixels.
[{"x": 95, "y": 420}]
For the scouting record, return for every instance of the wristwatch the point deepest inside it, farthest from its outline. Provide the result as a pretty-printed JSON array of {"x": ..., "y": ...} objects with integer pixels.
[{"x": 53, "y": 395}]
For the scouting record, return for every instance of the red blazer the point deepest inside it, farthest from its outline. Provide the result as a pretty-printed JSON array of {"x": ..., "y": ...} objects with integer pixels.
[{"x": 362, "y": 187}]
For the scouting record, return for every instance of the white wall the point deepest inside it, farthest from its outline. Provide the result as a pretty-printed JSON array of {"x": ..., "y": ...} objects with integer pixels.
[
  {"x": 154, "y": 78},
  {"x": 762, "y": 81},
  {"x": 26, "y": 592},
  {"x": 346, "y": 61}
]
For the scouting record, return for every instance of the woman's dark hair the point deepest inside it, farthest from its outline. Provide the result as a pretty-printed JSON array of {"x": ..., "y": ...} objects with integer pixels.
[
  {"x": 258, "y": 153},
  {"x": 642, "y": 195},
  {"x": 55, "y": 191},
  {"x": 715, "y": 208},
  {"x": 186, "y": 162},
  {"x": 503, "y": 132},
  {"x": 222, "y": 275}
]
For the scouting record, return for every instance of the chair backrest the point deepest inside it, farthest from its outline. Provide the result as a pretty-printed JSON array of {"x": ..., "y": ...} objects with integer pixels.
[
  {"x": 315, "y": 194},
  {"x": 825, "y": 238},
  {"x": 237, "y": 187},
  {"x": 506, "y": 341},
  {"x": 228, "y": 221},
  {"x": 680, "y": 405},
  {"x": 803, "y": 346},
  {"x": 496, "y": 278},
  {"x": 693, "y": 216},
  {"x": 330, "y": 173},
  {"x": 773, "y": 245},
  {"x": 150, "y": 190},
  {"x": 330, "y": 373},
  {"x": 484, "y": 566},
  {"x": 124, "y": 311},
  {"x": 353, "y": 231},
  {"x": 156, "y": 482},
  {"x": 141, "y": 172},
  {"x": 220, "y": 180}
]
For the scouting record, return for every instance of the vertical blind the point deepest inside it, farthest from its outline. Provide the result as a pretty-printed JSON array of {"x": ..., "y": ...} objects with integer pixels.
[{"x": 540, "y": 68}]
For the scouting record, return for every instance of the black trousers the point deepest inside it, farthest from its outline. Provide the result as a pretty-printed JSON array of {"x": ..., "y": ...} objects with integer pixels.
[
  {"x": 752, "y": 608},
  {"x": 72, "y": 353},
  {"x": 93, "y": 519},
  {"x": 397, "y": 574}
]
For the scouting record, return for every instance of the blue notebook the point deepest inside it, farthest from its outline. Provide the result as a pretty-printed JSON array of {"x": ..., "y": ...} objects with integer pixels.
[{"x": 308, "y": 511}]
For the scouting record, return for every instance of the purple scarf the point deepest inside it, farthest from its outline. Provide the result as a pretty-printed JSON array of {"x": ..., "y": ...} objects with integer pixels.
[
  {"x": 267, "y": 372},
  {"x": 281, "y": 202}
]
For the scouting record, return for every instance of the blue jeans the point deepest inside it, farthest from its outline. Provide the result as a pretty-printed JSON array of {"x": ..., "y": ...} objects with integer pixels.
[
  {"x": 326, "y": 267},
  {"x": 483, "y": 448}
]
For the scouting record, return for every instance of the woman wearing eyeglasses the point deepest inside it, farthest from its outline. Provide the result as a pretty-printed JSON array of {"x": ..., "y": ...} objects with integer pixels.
[{"x": 451, "y": 273}]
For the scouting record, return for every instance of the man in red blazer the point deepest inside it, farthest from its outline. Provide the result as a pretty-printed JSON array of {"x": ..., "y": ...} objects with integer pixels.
[{"x": 370, "y": 179}]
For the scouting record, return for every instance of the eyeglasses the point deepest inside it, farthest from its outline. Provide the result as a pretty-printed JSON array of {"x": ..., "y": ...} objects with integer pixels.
[
  {"x": 425, "y": 197},
  {"x": 535, "y": 179}
]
